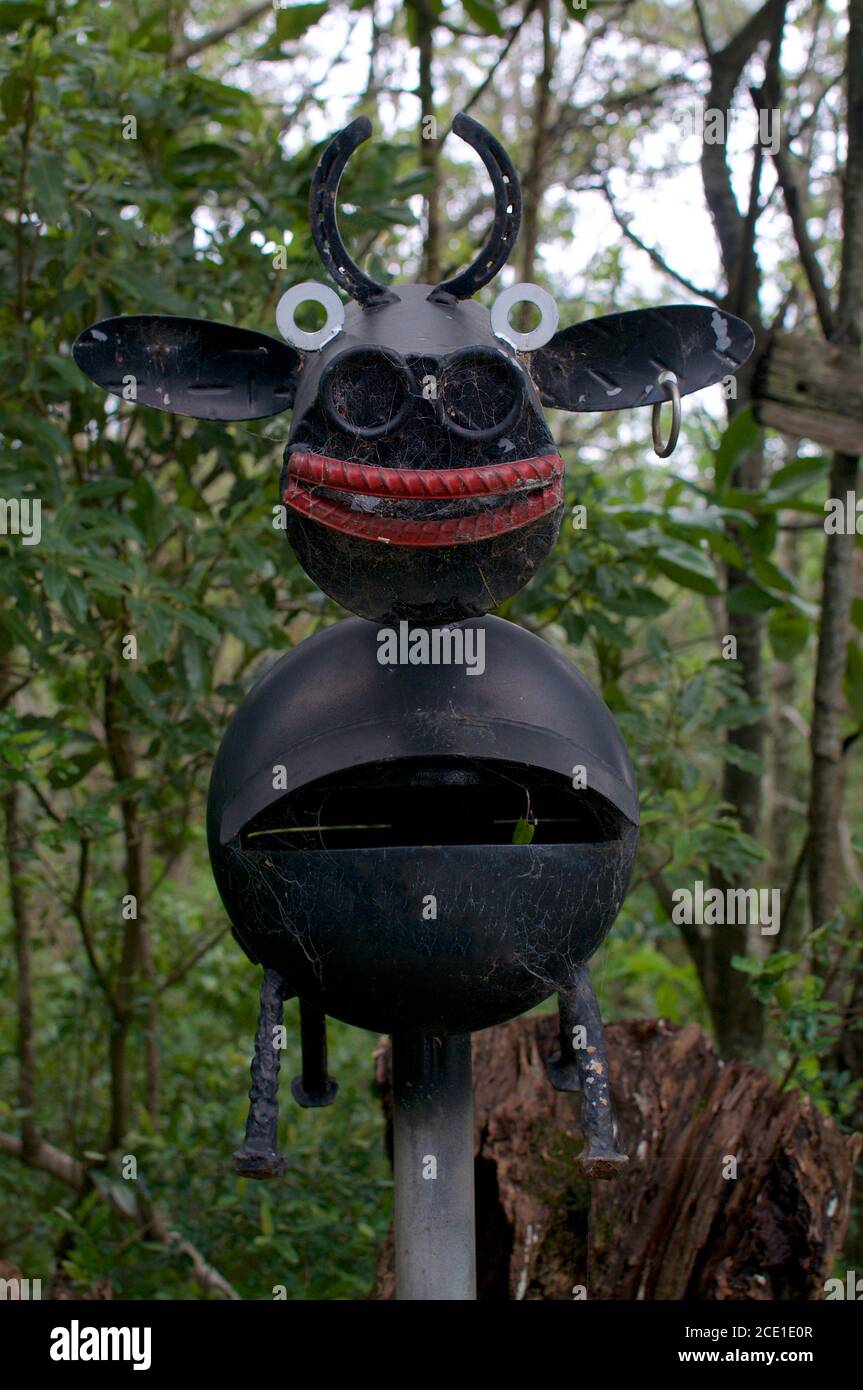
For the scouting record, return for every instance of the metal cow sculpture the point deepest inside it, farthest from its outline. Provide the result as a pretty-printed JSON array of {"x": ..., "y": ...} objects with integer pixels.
[
  {"x": 420, "y": 478},
  {"x": 420, "y": 482}
]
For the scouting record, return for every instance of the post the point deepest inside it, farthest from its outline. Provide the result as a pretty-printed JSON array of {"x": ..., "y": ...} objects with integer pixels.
[{"x": 433, "y": 1160}]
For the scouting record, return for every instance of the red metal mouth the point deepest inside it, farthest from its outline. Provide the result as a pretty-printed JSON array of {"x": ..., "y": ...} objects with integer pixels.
[{"x": 534, "y": 485}]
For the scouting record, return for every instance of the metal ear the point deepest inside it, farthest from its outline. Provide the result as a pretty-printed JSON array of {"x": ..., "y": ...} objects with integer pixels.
[
  {"x": 524, "y": 293},
  {"x": 194, "y": 367},
  {"x": 623, "y": 360},
  {"x": 309, "y": 292}
]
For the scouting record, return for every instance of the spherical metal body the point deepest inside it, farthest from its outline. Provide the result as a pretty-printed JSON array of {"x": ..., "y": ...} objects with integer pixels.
[{"x": 361, "y": 819}]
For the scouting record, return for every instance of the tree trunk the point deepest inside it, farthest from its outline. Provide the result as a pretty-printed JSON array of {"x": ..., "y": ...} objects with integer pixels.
[
  {"x": 737, "y": 1016},
  {"x": 733, "y": 1190},
  {"x": 783, "y": 775},
  {"x": 533, "y": 183},
  {"x": 23, "y": 936},
  {"x": 429, "y": 145},
  {"x": 825, "y": 808},
  {"x": 135, "y": 954}
]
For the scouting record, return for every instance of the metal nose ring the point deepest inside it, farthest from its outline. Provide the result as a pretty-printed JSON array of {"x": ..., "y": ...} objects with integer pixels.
[{"x": 664, "y": 450}]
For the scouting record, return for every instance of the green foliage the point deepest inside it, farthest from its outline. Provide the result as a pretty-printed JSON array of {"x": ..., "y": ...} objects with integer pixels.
[{"x": 808, "y": 1021}]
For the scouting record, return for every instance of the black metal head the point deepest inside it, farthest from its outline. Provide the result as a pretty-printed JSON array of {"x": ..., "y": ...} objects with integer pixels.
[{"x": 420, "y": 478}]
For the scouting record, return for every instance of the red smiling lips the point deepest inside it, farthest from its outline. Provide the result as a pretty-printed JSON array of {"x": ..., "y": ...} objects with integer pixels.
[{"x": 532, "y": 486}]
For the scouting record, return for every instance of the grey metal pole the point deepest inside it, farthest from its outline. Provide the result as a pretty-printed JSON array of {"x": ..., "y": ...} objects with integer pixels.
[{"x": 435, "y": 1238}]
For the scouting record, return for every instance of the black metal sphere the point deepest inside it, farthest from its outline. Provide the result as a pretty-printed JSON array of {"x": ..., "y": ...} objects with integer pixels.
[{"x": 378, "y": 874}]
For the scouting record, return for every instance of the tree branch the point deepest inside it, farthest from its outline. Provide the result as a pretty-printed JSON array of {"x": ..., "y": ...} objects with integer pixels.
[
  {"x": 654, "y": 255},
  {"x": 149, "y": 1220},
  {"x": 787, "y": 179},
  {"x": 190, "y": 48},
  {"x": 478, "y": 92},
  {"x": 79, "y": 912},
  {"x": 185, "y": 966}
]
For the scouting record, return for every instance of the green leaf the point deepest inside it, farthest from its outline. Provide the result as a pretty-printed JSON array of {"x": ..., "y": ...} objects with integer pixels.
[
  {"x": 51, "y": 203},
  {"x": 482, "y": 12},
  {"x": 240, "y": 624},
  {"x": 796, "y": 477},
  {"x": 14, "y": 12},
  {"x": 293, "y": 22},
  {"x": 742, "y": 757},
  {"x": 749, "y": 598},
  {"x": 783, "y": 994},
  {"x": 13, "y": 93},
  {"x": 639, "y": 603},
  {"x": 688, "y": 567},
  {"x": 749, "y": 965},
  {"x": 195, "y": 664},
  {"x": 524, "y": 832},
  {"x": 693, "y": 696},
  {"x": 266, "y": 1217},
  {"x": 434, "y": 9},
  {"x": 54, "y": 579},
  {"x": 788, "y": 633},
  {"x": 103, "y": 487},
  {"x": 72, "y": 770},
  {"x": 770, "y": 575},
  {"x": 197, "y": 623},
  {"x": 727, "y": 550},
  {"x": 739, "y": 437}
]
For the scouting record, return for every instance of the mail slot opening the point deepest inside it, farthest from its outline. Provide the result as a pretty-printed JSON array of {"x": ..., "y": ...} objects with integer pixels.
[{"x": 433, "y": 802}]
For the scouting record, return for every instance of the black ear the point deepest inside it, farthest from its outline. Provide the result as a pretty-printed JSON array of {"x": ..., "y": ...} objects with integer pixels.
[
  {"x": 614, "y": 362},
  {"x": 210, "y": 371}
]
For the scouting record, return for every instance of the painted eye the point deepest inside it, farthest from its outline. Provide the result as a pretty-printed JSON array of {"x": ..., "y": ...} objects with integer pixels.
[
  {"x": 367, "y": 391},
  {"x": 480, "y": 393},
  {"x": 309, "y": 292},
  {"x": 524, "y": 293}
]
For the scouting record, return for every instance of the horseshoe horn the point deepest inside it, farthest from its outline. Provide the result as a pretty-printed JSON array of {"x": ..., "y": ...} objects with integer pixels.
[{"x": 344, "y": 270}]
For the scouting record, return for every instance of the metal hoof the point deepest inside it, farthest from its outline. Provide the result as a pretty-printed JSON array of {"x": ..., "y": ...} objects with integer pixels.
[
  {"x": 562, "y": 1075},
  {"x": 598, "y": 1163},
  {"x": 314, "y": 1100},
  {"x": 259, "y": 1163}
]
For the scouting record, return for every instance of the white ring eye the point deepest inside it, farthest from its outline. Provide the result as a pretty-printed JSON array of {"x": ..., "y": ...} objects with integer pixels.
[
  {"x": 525, "y": 293},
  {"x": 309, "y": 292}
]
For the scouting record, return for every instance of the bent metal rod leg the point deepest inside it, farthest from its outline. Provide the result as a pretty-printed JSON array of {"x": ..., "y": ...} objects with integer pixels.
[
  {"x": 314, "y": 1088},
  {"x": 582, "y": 1064},
  {"x": 258, "y": 1156},
  {"x": 433, "y": 1159}
]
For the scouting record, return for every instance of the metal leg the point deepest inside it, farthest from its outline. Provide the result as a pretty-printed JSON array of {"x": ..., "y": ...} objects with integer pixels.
[
  {"x": 435, "y": 1241},
  {"x": 562, "y": 1067},
  {"x": 314, "y": 1088},
  {"x": 258, "y": 1156},
  {"x": 581, "y": 1064}
]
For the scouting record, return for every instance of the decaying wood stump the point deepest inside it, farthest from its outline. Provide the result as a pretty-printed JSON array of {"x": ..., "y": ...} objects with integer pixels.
[{"x": 677, "y": 1224}]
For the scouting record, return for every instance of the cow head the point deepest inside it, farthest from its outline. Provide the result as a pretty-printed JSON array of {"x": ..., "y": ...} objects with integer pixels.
[{"x": 420, "y": 478}]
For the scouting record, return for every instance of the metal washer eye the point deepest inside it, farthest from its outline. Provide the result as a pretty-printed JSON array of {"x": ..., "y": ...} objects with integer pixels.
[
  {"x": 524, "y": 293},
  {"x": 395, "y": 360},
  {"x": 309, "y": 291},
  {"x": 455, "y": 360}
]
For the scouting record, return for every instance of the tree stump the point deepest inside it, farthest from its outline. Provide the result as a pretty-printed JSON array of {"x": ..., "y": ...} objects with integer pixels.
[{"x": 677, "y": 1224}]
